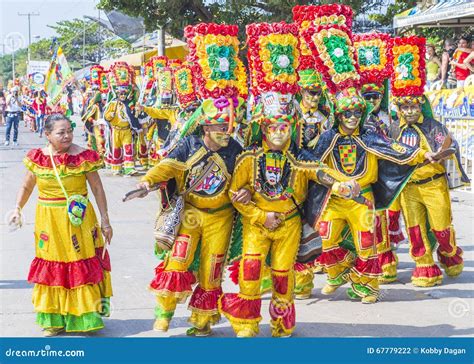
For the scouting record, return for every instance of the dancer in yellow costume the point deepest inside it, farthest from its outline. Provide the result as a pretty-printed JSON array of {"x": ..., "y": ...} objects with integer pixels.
[
  {"x": 203, "y": 165},
  {"x": 95, "y": 139},
  {"x": 425, "y": 199},
  {"x": 93, "y": 111},
  {"x": 120, "y": 115},
  {"x": 208, "y": 217},
  {"x": 277, "y": 175},
  {"x": 316, "y": 116},
  {"x": 375, "y": 66},
  {"x": 71, "y": 274}
]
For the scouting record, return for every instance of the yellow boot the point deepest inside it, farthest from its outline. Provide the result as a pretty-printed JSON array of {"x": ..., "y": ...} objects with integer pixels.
[{"x": 161, "y": 325}]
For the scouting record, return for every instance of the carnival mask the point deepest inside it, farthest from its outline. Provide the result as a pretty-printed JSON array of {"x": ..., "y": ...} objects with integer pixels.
[
  {"x": 272, "y": 175},
  {"x": 410, "y": 112},
  {"x": 350, "y": 119},
  {"x": 122, "y": 95},
  {"x": 311, "y": 97},
  {"x": 219, "y": 134},
  {"x": 278, "y": 134},
  {"x": 375, "y": 99}
]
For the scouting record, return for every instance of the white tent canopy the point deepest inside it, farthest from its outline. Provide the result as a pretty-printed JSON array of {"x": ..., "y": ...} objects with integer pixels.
[{"x": 443, "y": 13}]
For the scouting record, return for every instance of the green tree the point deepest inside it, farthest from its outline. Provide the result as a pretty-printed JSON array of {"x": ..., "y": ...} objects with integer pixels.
[
  {"x": 6, "y": 65},
  {"x": 100, "y": 43},
  {"x": 433, "y": 35},
  {"x": 242, "y": 12}
]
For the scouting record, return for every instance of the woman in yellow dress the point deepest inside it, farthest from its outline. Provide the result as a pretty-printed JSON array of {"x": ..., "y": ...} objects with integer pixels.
[{"x": 71, "y": 270}]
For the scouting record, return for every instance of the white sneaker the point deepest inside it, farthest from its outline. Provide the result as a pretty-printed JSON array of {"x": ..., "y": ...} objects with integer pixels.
[
  {"x": 7, "y": 143},
  {"x": 16, "y": 144}
]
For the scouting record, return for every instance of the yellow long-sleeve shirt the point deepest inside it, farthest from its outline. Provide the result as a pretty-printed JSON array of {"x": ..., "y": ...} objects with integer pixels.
[
  {"x": 115, "y": 113},
  {"x": 245, "y": 176},
  {"x": 369, "y": 173},
  {"x": 161, "y": 113},
  {"x": 430, "y": 169},
  {"x": 186, "y": 162}
]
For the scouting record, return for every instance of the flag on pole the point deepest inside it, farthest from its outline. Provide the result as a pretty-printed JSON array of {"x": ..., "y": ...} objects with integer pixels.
[{"x": 59, "y": 75}]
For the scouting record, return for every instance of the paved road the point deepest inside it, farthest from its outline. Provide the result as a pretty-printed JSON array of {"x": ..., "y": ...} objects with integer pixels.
[{"x": 403, "y": 311}]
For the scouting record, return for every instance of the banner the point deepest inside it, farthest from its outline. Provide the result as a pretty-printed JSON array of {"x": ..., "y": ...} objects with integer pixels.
[
  {"x": 218, "y": 350},
  {"x": 59, "y": 75},
  {"x": 455, "y": 109}
]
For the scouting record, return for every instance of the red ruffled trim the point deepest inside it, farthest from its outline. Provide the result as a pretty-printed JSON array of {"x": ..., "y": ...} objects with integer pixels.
[
  {"x": 387, "y": 258},
  {"x": 332, "y": 257},
  {"x": 427, "y": 272},
  {"x": 300, "y": 267},
  {"x": 160, "y": 268},
  {"x": 451, "y": 261},
  {"x": 396, "y": 238},
  {"x": 104, "y": 263},
  {"x": 234, "y": 271},
  {"x": 241, "y": 308},
  {"x": 39, "y": 158},
  {"x": 69, "y": 275},
  {"x": 369, "y": 267},
  {"x": 205, "y": 300},
  {"x": 287, "y": 314},
  {"x": 173, "y": 281}
]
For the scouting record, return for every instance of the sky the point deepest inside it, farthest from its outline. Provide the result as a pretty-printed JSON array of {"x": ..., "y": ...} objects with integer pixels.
[{"x": 15, "y": 28}]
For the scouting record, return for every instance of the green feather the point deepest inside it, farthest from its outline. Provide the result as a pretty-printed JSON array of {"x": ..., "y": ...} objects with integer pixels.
[
  {"x": 191, "y": 124},
  {"x": 235, "y": 249}
]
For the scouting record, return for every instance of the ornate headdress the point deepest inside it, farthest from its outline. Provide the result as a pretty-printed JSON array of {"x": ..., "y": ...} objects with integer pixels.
[
  {"x": 408, "y": 77},
  {"x": 158, "y": 62},
  {"x": 96, "y": 74},
  {"x": 121, "y": 76},
  {"x": 307, "y": 16},
  {"x": 273, "y": 60},
  {"x": 330, "y": 40},
  {"x": 104, "y": 82},
  {"x": 374, "y": 54},
  {"x": 213, "y": 55},
  {"x": 183, "y": 80},
  {"x": 149, "y": 73}
]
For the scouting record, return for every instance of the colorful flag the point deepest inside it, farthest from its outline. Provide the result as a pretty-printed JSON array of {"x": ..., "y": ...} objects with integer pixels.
[{"x": 59, "y": 75}]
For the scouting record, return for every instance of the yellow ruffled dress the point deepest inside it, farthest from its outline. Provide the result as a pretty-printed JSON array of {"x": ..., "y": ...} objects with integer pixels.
[{"x": 72, "y": 281}]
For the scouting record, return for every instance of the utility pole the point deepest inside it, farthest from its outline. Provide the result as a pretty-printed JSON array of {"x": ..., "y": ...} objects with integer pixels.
[
  {"x": 29, "y": 15},
  {"x": 13, "y": 65},
  {"x": 100, "y": 38},
  {"x": 161, "y": 41},
  {"x": 84, "y": 45}
]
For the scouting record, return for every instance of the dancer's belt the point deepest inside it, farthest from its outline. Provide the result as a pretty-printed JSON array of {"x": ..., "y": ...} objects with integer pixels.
[
  {"x": 121, "y": 127},
  {"x": 213, "y": 211},
  {"x": 53, "y": 201},
  {"x": 429, "y": 179},
  {"x": 291, "y": 214}
]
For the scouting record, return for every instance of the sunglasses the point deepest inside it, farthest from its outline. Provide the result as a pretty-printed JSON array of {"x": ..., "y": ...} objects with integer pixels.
[
  {"x": 278, "y": 127},
  {"x": 219, "y": 128},
  {"x": 348, "y": 114},
  {"x": 314, "y": 92},
  {"x": 369, "y": 97}
]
